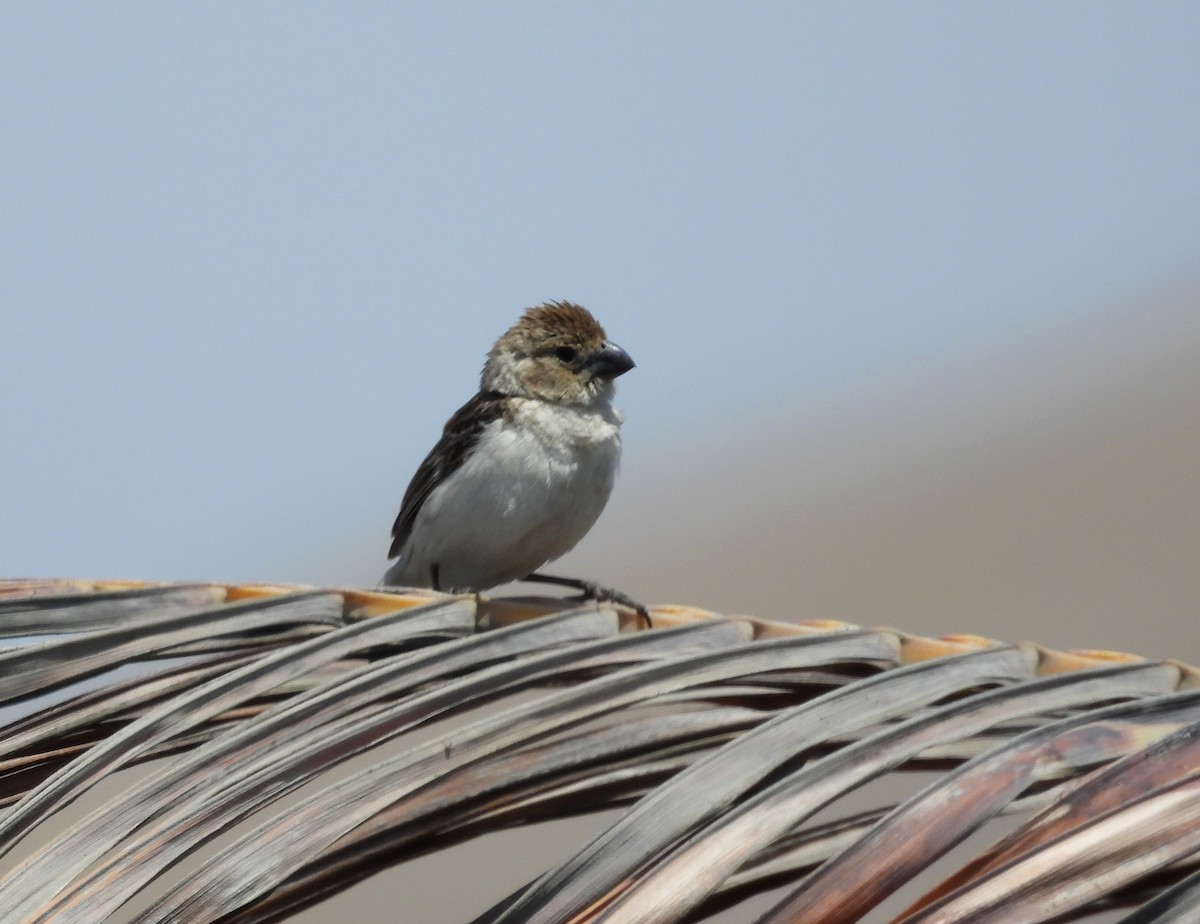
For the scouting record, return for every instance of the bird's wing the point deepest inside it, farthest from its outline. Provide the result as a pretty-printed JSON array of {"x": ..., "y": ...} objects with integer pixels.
[{"x": 460, "y": 435}]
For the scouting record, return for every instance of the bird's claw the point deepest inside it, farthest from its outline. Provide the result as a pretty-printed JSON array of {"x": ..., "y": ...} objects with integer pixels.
[{"x": 590, "y": 590}]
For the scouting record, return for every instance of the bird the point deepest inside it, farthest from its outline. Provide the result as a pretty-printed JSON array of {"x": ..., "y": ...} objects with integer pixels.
[{"x": 522, "y": 470}]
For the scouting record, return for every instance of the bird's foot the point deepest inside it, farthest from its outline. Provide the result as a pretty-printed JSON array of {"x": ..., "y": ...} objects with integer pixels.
[{"x": 590, "y": 590}]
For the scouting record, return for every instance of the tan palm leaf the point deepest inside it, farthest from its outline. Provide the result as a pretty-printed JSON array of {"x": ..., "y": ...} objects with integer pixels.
[{"x": 297, "y": 740}]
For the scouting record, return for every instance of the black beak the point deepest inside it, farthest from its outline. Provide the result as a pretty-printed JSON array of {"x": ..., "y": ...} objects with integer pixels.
[{"x": 610, "y": 362}]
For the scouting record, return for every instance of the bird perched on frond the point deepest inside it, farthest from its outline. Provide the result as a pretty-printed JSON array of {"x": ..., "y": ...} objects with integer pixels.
[{"x": 524, "y": 468}]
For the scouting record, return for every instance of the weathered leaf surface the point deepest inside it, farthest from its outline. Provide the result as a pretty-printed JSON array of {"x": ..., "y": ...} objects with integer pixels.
[{"x": 722, "y": 737}]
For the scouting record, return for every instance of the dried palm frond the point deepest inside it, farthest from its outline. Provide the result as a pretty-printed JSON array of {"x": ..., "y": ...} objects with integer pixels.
[{"x": 396, "y": 724}]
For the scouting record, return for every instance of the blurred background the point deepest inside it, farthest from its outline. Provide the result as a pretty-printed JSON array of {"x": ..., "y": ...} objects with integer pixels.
[{"x": 913, "y": 290}]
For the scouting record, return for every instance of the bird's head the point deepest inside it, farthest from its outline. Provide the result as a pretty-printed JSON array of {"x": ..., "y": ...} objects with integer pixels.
[{"x": 556, "y": 352}]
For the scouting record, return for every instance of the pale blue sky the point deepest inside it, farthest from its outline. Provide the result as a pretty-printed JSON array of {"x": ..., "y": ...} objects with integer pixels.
[{"x": 253, "y": 255}]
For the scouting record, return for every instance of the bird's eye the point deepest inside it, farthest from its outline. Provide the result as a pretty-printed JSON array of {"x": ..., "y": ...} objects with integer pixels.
[{"x": 566, "y": 354}]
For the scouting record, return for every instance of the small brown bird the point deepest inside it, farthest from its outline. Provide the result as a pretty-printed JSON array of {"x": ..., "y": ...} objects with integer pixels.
[{"x": 524, "y": 468}]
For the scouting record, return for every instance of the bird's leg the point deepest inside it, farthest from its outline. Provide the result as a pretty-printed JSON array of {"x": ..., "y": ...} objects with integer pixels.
[{"x": 590, "y": 590}]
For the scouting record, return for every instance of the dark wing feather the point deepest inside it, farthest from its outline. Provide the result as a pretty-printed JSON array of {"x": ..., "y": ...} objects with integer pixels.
[{"x": 459, "y": 436}]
